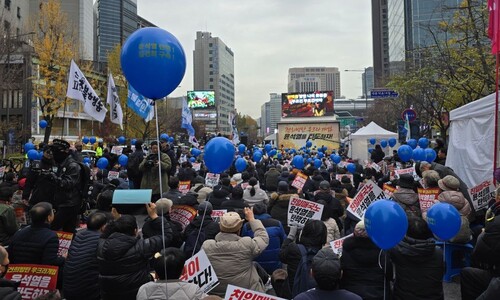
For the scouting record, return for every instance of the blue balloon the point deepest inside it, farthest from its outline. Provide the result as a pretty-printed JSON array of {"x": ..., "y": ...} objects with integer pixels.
[
  {"x": 430, "y": 155},
  {"x": 405, "y": 153},
  {"x": 412, "y": 143},
  {"x": 332, "y": 156},
  {"x": 242, "y": 148},
  {"x": 351, "y": 168},
  {"x": 43, "y": 124},
  {"x": 195, "y": 152},
  {"x": 28, "y": 146},
  {"x": 92, "y": 140},
  {"x": 164, "y": 136},
  {"x": 423, "y": 142},
  {"x": 85, "y": 140},
  {"x": 268, "y": 148},
  {"x": 102, "y": 163},
  {"x": 154, "y": 73},
  {"x": 257, "y": 156},
  {"x": 240, "y": 164},
  {"x": 133, "y": 141},
  {"x": 444, "y": 220},
  {"x": 32, "y": 154},
  {"x": 383, "y": 143},
  {"x": 40, "y": 155},
  {"x": 372, "y": 141},
  {"x": 273, "y": 152},
  {"x": 309, "y": 160},
  {"x": 309, "y": 144},
  {"x": 370, "y": 150},
  {"x": 317, "y": 163},
  {"x": 86, "y": 160},
  {"x": 121, "y": 140},
  {"x": 219, "y": 154},
  {"x": 298, "y": 161},
  {"x": 192, "y": 159},
  {"x": 392, "y": 142},
  {"x": 419, "y": 154},
  {"x": 123, "y": 160},
  {"x": 386, "y": 223},
  {"x": 171, "y": 139},
  {"x": 337, "y": 159},
  {"x": 321, "y": 155},
  {"x": 280, "y": 156}
]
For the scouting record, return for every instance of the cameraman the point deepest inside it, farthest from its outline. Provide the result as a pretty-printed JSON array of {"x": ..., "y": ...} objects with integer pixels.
[
  {"x": 149, "y": 168},
  {"x": 39, "y": 184}
]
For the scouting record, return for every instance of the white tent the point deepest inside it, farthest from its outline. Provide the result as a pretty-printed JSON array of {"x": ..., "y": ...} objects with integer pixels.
[
  {"x": 360, "y": 140},
  {"x": 471, "y": 139}
]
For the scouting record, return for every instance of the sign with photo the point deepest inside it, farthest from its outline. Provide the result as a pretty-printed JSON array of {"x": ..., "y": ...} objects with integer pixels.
[{"x": 300, "y": 210}]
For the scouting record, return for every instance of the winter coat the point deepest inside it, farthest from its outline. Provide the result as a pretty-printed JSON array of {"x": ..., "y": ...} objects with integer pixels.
[
  {"x": 8, "y": 224},
  {"x": 317, "y": 294},
  {"x": 377, "y": 155},
  {"x": 8, "y": 290},
  {"x": 278, "y": 208},
  {"x": 332, "y": 229},
  {"x": 333, "y": 208},
  {"x": 174, "y": 195},
  {"x": 458, "y": 200},
  {"x": 269, "y": 259},
  {"x": 39, "y": 184},
  {"x": 81, "y": 270},
  {"x": 35, "y": 245},
  {"x": 210, "y": 227},
  {"x": 68, "y": 187},
  {"x": 232, "y": 258},
  {"x": 272, "y": 179},
  {"x": 124, "y": 263},
  {"x": 351, "y": 190},
  {"x": 361, "y": 272},
  {"x": 150, "y": 177},
  {"x": 219, "y": 194},
  {"x": 153, "y": 227},
  {"x": 419, "y": 270},
  {"x": 259, "y": 197},
  {"x": 408, "y": 200},
  {"x": 177, "y": 290},
  {"x": 488, "y": 247},
  {"x": 236, "y": 205}
]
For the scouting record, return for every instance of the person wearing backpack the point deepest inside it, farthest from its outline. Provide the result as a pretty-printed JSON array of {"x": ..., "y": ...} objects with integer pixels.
[
  {"x": 201, "y": 228},
  {"x": 298, "y": 256}
]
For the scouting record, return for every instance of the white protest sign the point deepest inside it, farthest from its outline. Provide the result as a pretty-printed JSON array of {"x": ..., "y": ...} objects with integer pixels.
[
  {"x": 338, "y": 244},
  {"x": 410, "y": 171},
  {"x": 239, "y": 293},
  {"x": 482, "y": 193},
  {"x": 196, "y": 166},
  {"x": 369, "y": 193},
  {"x": 212, "y": 179},
  {"x": 117, "y": 150},
  {"x": 199, "y": 270},
  {"x": 299, "y": 181},
  {"x": 339, "y": 177},
  {"x": 375, "y": 166},
  {"x": 113, "y": 174},
  {"x": 300, "y": 210},
  {"x": 217, "y": 213}
]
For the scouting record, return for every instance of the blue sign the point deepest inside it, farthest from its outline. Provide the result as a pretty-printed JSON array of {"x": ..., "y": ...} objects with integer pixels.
[
  {"x": 132, "y": 196},
  {"x": 383, "y": 94}
]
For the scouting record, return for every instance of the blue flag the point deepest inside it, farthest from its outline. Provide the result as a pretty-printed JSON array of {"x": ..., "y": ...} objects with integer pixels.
[{"x": 140, "y": 104}]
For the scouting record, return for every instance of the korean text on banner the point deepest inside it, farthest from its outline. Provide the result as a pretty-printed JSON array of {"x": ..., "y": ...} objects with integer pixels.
[
  {"x": 184, "y": 186},
  {"x": 216, "y": 214},
  {"x": 35, "y": 280},
  {"x": 65, "y": 239},
  {"x": 299, "y": 181},
  {"x": 388, "y": 190},
  {"x": 338, "y": 244},
  {"x": 199, "y": 270},
  {"x": 427, "y": 197},
  {"x": 369, "y": 193},
  {"x": 410, "y": 171},
  {"x": 482, "y": 193},
  {"x": 239, "y": 293},
  {"x": 116, "y": 115},
  {"x": 183, "y": 214},
  {"x": 212, "y": 179},
  {"x": 300, "y": 210}
]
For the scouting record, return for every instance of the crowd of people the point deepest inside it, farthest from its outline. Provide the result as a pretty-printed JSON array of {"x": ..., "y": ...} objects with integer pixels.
[{"x": 126, "y": 251}]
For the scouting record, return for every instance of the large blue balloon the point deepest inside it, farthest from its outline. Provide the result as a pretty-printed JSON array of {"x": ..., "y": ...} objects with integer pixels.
[
  {"x": 372, "y": 141},
  {"x": 336, "y": 159},
  {"x": 164, "y": 136},
  {"x": 123, "y": 160},
  {"x": 317, "y": 163},
  {"x": 430, "y": 155},
  {"x": 92, "y": 140},
  {"x": 153, "y": 62},
  {"x": 171, "y": 139},
  {"x": 418, "y": 154},
  {"x": 392, "y": 142},
  {"x": 273, "y": 152},
  {"x": 268, "y": 148},
  {"x": 219, "y": 154},
  {"x": 257, "y": 156},
  {"x": 405, "y": 153},
  {"x": 309, "y": 144},
  {"x": 85, "y": 140},
  {"x": 32, "y": 154},
  {"x": 242, "y": 148},
  {"x": 386, "y": 223},
  {"x": 412, "y": 143},
  {"x": 423, "y": 142},
  {"x": 321, "y": 155},
  {"x": 192, "y": 159},
  {"x": 240, "y": 164},
  {"x": 133, "y": 141},
  {"x": 102, "y": 163},
  {"x": 121, "y": 140},
  {"x": 298, "y": 161},
  {"x": 28, "y": 146},
  {"x": 444, "y": 220},
  {"x": 383, "y": 143},
  {"x": 43, "y": 124},
  {"x": 351, "y": 168}
]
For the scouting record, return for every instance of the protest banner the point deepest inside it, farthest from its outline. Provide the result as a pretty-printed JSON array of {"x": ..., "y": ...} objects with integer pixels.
[
  {"x": 183, "y": 214},
  {"x": 117, "y": 150},
  {"x": 338, "y": 244},
  {"x": 369, "y": 193},
  {"x": 410, "y": 171},
  {"x": 239, "y": 293},
  {"x": 113, "y": 175},
  {"x": 427, "y": 197},
  {"x": 388, "y": 190},
  {"x": 212, "y": 179},
  {"x": 300, "y": 210},
  {"x": 196, "y": 166},
  {"x": 184, "y": 186},
  {"x": 65, "y": 239},
  {"x": 299, "y": 181},
  {"x": 216, "y": 214},
  {"x": 339, "y": 177},
  {"x": 375, "y": 166},
  {"x": 34, "y": 280},
  {"x": 482, "y": 193},
  {"x": 199, "y": 270}
]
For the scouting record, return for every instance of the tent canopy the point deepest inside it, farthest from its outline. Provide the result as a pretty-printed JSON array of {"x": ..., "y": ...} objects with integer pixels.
[
  {"x": 373, "y": 130},
  {"x": 360, "y": 143}
]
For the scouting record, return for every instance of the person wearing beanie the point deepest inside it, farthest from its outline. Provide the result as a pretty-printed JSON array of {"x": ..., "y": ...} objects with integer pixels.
[
  {"x": 406, "y": 196},
  {"x": 253, "y": 194},
  {"x": 202, "y": 221},
  {"x": 361, "y": 272},
  {"x": 333, "y": 209},
  {"x": 235, "y": 202},
  {"x": 271, "y": 179},
  {"x": 278, "y": 205},
  {"x": 347, "y": 184},
  {"x": 232, "y": 256}
]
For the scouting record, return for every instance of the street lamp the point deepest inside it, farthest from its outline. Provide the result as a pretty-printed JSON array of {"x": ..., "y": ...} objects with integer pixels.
[{"x": 364, "y": 86}]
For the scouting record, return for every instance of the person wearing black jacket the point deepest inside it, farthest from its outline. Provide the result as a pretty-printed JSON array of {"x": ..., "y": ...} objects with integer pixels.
[
  {"x": 165, "y": 148},
  {"x": 202, "y": 220},
  {"x": 220, "y": 193},
  {"x": 39, "y": 184},
  {"x": 333, "y": 207},
  {"x": 124, "y": 259},
  {"x": 236, "y": 202},
  {"x": 152, "y": 228},
  {"x": 81, "y": 271},
  {"x": 8, "y": 288},
  {"x": 377, "y": 154},
  {"x": 134, "y": 160}
]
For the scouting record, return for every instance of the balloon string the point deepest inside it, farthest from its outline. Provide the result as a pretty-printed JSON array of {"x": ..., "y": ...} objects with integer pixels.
[
  {"x": 385, "y": 275},
  {"x": 201, "y": 227},
  {"x": 164, "y": 247},
  {"x": 159, "y": 149}
]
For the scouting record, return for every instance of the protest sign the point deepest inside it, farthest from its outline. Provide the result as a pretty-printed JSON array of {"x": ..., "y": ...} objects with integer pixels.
[
  {"x": 184, "y": 186},
  {"x": 117, "y": 150},
  {"x": 183, "y": 214},
  {"x": 212, "y": 179},
  {"x": 216, "y": 214},
  {"x": 65, "y": 239},
  {"x": 35, "y": 280},
  {"x": 140, "y": 196},
  {"x": 239, "y": 293},
  {"x": 299, "y": 181},
  {"x": 375, "y": 166},
  {"x": 338, "y": 244},
  {"x": 196, "y": 166},
  {"x": 113, "y": 175},
  {"x": 339, "y": 177},
  {"x": 482, "y": 193},
  {"x": 369, "y": 193},
  {"x": 410, "y": 171},
  {"x": 199, "y": 270},
  {"x": 427, "y": 197},
  {"x": 300, "y": 210},
  {"x": 388, "y": 190}
]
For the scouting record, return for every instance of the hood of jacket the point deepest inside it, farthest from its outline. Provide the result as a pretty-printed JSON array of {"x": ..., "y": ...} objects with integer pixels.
[
  {"x": 117, "y": 245},
  {"x": 284, "y": 199},
  {"x": 361, "y": 249},
  {"x": 221, "y": 191},
  {"x": 416, "y": 248},
  {"x": 405, "y": 196}
]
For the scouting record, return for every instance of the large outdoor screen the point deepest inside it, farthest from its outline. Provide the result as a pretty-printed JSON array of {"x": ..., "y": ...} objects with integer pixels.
[
  {"x": 314, "y": 104},
  {"x": 201, "y": 99}
]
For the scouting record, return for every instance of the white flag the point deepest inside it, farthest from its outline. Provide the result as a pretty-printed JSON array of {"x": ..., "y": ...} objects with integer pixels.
[
  {"x": 79, "y": 89},
  {"x": 116, "y": 114},
  {"x": 151, "y": 113},
  {"x": 234, "y": 129}
]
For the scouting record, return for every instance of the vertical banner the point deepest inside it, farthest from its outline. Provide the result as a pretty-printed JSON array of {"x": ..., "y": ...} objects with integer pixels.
[
  {"x": 116, "y": 114},
  {"x": 183, "y": 214},
  {"x": 65, "y": 239},
  {"x": 299, "y": 181},
  {"x": 300, "y": 210},
  {"x": 141, "y": 105},
  {"x": 482, "y": 193},
  {"x": 338, "y": 244},
  {"x": 239, "y": 293},
  {"x": 34, "y": 280},
  {"x": 427, "y": 197},
  {"x": 369, "y": 193},
  {"x": 199, "y": 270}
]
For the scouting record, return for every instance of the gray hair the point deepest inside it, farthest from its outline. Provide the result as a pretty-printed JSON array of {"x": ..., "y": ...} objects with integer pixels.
[
  {"x": 424, "y": 164},
  {"x": 431, "y": 178},
  {"x": 163, "y": 206}
]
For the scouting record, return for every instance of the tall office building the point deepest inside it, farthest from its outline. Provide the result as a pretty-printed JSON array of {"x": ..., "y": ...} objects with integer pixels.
[
  {"x": 213, "y": 64},
  {"x": 368, "y": 82},
  {"x": 270, "y": 114},
  {"x": 81, "y": 20},
  {"x": 380, "y": 40},
  {"x": 115, "y": 21},
  {"x": 311, "y": 79},
  {"x": 15, "y": 16}
]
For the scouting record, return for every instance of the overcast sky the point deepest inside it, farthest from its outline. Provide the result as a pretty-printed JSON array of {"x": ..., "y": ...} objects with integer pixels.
[{"x": 270, "y": 36}]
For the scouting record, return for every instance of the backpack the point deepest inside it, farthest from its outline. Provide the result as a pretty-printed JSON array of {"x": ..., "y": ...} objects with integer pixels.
[
  {"x": 303, "y": 279},
  {"x": 191, "y": 244}
]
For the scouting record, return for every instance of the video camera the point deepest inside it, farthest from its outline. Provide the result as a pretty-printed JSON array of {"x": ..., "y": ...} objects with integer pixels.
[{"x": 151, "y": 160}]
